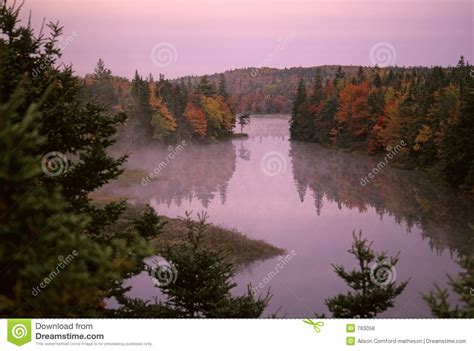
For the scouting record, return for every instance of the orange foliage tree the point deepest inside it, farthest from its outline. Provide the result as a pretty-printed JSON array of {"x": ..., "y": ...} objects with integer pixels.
[
  {"x": 353, "y": 111},
  {"x": 196, "y": 118}
]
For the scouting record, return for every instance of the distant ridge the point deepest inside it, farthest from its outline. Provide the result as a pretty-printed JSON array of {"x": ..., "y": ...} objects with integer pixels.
[{"x": 271, "y": 90}]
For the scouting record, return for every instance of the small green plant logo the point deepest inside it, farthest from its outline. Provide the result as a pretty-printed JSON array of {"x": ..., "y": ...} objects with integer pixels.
[
  {"x": 350, "y": 340},
  {"x": 19, "y": 331},
  {"x": 316, "y": 325},
  {"x": 350, "y": 328}
]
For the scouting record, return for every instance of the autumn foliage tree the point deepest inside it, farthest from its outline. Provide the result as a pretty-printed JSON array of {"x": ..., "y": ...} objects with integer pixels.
[
  {"x": 196, "y": 118},
  {"x": 172, "y": 111},
  {"x": 374, "y": 110},
  {"x": 162, "y": 120},
  {"x": 353, "y": 113}
]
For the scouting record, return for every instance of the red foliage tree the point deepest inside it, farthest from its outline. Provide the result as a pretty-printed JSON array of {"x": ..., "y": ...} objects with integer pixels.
[
  {"x": 196, "y": 118},
  {"x": 353, "y": 113}
]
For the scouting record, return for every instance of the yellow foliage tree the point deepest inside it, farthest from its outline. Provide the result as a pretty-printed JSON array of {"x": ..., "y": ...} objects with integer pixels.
[
  {"x": 214, "y": 114},
  {"x": 162, "y": 120},
  {"x": 424, "y": 135},
  {"x": 390, "y": 135}
]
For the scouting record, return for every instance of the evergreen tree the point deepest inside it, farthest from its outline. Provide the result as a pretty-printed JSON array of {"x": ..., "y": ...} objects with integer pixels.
[
  {"x": 80, "y": 132},
  {"x": 318, "y": 91},
  {"x": 462, "y": 285},
  {"x": 222, "y": 88},
  {"x": 205, "y": 87},
  {"x": 139, "y": 111},
  {"x": 101, "y": 88},
  {"x": 101, "y": 72},
  {"x": 198, "y": 284},
  {"x": 49, "y": 267},
  {"x": 457, "y": 147},
  {"x": 360, "y": 75},
  {"x": 373, "y": 284},
  {"x": 325, "y": 119},
  {"x": 67, "y": 122},
  {"x": 222, "y": 91},
  {"x": 295, "y": 121}
]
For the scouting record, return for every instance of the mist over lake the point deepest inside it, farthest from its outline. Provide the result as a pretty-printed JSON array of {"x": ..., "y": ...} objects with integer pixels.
[{"x": 307, "y": 200}]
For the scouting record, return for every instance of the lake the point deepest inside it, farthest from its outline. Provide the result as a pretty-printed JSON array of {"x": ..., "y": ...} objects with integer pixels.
[{"x": 308, "y": 200}]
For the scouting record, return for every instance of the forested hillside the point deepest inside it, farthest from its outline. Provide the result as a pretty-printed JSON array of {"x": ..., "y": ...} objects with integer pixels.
[{"x": 271, "y": 90}]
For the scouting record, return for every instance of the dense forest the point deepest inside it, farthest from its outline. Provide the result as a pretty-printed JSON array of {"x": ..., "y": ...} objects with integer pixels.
[
  {"x": 162, "y": 110},
  {"x": 272, "y": 90},
  {"x": 425, "y": 115}
]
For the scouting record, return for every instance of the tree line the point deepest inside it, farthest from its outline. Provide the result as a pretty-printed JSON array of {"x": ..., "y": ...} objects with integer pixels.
[
  {"x": 164, "y": 110},
  {"x": 268, "y": 90},
  {"x": 429, "y": 110}
]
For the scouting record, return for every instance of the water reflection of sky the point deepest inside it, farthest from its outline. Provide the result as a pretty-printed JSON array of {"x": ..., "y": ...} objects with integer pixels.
[{"x": 399, "y": 211}]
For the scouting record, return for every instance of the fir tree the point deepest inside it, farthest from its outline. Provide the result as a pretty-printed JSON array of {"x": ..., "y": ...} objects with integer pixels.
[
  {"x": 49, "y": 268},
  {"x": 222, "y": 88},
  {"x": 462, "y": 285},
  {"x": 295, "y": 121},
  {"x": 81, "y": 132},
  {"x": 198, "y": 284},
  {"x": 318, "y": 92},
  {"x": 457, "y": 147},
  {"x": 67, "y": 122},
  {"x": 205, "y": 87},
  {"x": 373, "y": 284},
  {"x": 139, "y": 111},
  {"x": 101, "y": 89}
]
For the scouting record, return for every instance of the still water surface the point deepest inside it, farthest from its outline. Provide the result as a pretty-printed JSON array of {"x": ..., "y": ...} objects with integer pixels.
[{"x": 308, "y": 200}]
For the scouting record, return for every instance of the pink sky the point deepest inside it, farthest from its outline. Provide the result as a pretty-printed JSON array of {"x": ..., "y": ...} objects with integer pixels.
[{"x": 208, "y": 36}]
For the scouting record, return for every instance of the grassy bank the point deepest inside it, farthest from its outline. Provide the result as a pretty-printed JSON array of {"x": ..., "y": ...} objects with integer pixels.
[{"x": 241, "y": 249}]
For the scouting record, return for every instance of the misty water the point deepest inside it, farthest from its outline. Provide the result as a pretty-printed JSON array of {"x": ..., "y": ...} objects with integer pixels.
[{"x": 308, "y": 200}]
